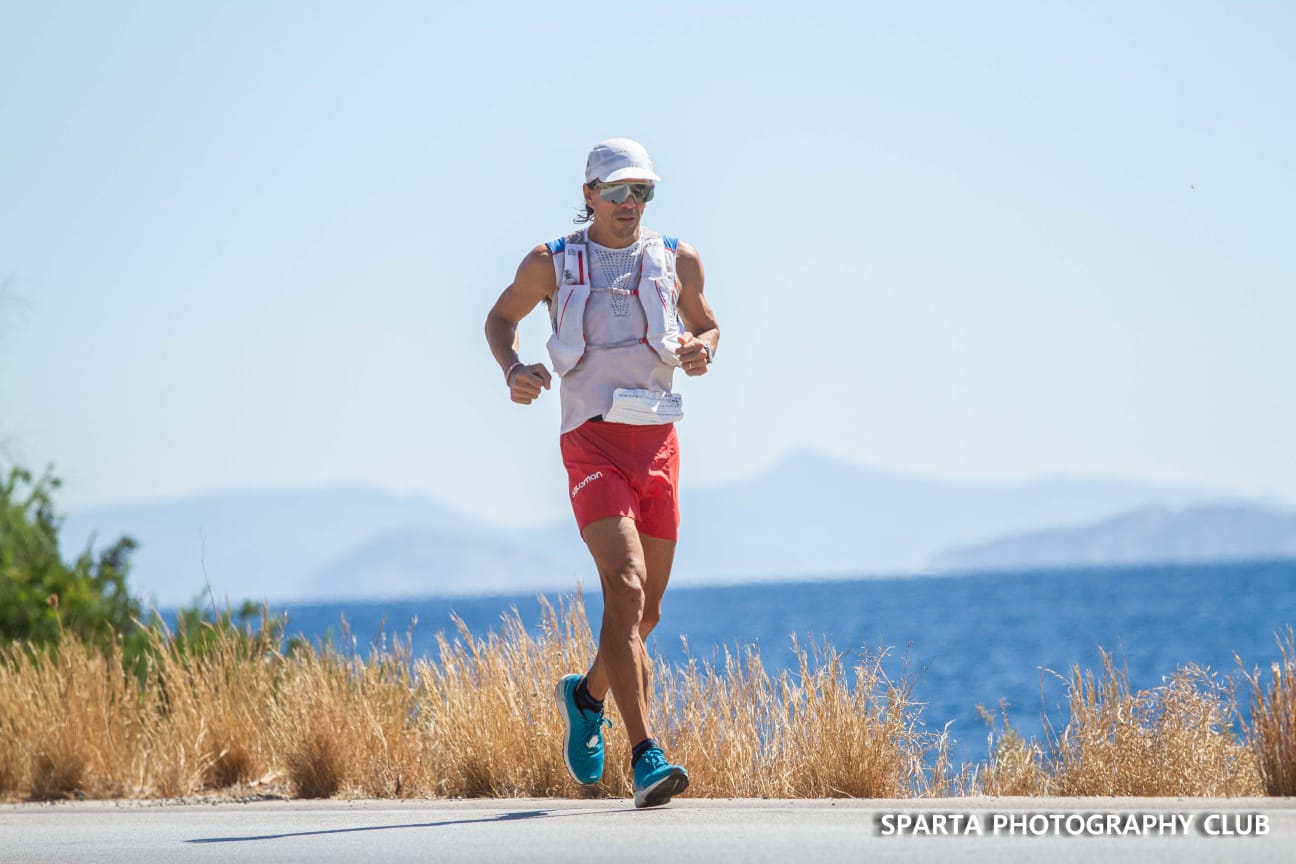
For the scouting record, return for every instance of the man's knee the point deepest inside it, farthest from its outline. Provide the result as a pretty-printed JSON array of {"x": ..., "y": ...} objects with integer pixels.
[
  {"x": 623, "y": 594},
  {"x": 650, "y": 618}
]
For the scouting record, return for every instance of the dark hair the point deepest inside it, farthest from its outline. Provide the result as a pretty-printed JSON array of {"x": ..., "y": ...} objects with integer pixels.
[{"x": 585, "y": 214}]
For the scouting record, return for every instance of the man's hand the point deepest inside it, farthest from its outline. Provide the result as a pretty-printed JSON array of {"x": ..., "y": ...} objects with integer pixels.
[
  {"x": 693, "y": 355},
  {"x": 526, "y": 382},
  {"x": 695, "y": 314}
]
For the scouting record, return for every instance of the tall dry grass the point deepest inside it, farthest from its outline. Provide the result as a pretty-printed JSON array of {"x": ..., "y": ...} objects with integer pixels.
[
  {"x": 477, "y": 719},
  {"x": 827, "y": 728},
  {"x": 66, "y": 717},
  {"x": 1172, "y": 740},
  {"x": 1273, "y": 720},
  {"x": 1016, "y": 766}
]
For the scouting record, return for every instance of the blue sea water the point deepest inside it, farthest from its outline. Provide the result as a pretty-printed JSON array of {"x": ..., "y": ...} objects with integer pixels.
[{"x": 968, "y": 640}]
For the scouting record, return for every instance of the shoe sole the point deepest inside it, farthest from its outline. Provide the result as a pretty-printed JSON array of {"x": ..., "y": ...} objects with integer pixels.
[
  {"x": 561, "y": 698},
  {"x": 663, "y": 790}
]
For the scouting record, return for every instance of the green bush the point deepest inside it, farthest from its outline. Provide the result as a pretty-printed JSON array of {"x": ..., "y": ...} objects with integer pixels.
[
  {"x": 43, "y": 599},
  {"x": 41, "y": 596}
]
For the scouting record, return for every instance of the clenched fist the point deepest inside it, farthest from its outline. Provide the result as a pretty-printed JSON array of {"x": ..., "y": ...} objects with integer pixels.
[
  {"x": 526, "y": 382},
  {"x": 693, "y": 355}
]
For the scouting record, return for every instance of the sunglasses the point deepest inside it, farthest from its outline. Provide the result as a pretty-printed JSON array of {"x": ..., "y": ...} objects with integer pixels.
[{"x": 617, "y": 193}]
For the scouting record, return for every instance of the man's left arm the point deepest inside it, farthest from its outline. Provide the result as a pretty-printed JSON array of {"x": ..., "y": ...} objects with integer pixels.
[{"x": 701, "y": 330}]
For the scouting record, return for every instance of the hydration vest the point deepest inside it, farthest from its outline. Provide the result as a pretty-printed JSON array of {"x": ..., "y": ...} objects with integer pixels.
[{"x": 657, "y": 290}]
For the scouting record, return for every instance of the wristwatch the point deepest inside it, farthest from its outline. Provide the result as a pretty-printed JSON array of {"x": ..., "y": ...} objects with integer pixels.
[{"x": 709, "y": 351}]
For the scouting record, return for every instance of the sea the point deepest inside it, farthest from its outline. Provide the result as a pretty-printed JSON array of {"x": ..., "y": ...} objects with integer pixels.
[{"x": 989, "y": 639}]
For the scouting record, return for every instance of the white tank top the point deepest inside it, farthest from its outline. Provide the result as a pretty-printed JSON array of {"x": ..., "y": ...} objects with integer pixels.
[{"x": 614, "y": 324}]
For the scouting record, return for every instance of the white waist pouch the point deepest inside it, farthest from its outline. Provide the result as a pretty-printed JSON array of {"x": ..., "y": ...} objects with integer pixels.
[{"x": 645, "y": 407}]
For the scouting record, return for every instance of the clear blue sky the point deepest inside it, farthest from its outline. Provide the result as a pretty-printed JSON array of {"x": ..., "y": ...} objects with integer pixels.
[{"x": 252, "y": 245}]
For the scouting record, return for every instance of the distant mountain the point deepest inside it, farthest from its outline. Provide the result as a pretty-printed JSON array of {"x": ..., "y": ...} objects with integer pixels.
[
  {"x": 253, "y": 544},
  {"x": 424, "y": 563},
  {"x": 806, "y": 515},
  {"x": 1152, "y": 535},
  {"x": 810, "y": 514},
  {"x": 813, "y": 514}
]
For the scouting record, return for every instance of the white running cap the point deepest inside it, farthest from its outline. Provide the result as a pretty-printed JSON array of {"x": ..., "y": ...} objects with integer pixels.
[{"x": 619, "y": 159}]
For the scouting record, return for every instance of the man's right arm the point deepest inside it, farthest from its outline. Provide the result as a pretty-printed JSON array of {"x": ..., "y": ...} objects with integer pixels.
[{"x": 533, "y": 284}]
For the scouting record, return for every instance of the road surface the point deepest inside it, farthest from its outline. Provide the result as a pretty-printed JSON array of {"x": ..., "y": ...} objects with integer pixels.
[{"x": 712, "y": 830}]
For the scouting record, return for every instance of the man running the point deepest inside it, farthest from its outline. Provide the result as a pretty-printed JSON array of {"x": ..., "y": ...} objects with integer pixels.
[{"x": 626, "y": 308}]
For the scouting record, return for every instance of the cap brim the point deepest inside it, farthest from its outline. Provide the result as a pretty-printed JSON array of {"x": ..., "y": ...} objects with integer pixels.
[{"x": 622, "y": 174}]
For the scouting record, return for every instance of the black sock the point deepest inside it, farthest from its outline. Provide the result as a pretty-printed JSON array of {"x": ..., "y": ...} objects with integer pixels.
[
  {"x": 639, "y": 749},
  {"x": 585, "y": 701}
]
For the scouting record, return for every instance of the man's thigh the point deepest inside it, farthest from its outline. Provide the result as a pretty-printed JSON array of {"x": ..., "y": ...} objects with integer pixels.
[
  {"x": 618, "y": 552},
  {"x": 621, "y": 553}
]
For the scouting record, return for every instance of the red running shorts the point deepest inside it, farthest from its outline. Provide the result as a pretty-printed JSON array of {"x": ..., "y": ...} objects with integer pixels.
[{"x": 616, "y": 469}]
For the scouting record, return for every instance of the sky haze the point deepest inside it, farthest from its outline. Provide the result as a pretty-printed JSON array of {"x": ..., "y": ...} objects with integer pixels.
[{"x": 252, "y": 245}]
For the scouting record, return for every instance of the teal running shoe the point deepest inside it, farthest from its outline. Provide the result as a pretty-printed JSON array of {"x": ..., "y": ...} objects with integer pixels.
[
  {"x": 656, "y": 781},
  {"x": 583, "y": 738}
]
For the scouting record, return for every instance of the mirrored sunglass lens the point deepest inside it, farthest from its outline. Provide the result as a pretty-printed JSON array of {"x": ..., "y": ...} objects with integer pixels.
[
  {"x": 643, "y": 192},
  {"x": 615, "y": 194}
]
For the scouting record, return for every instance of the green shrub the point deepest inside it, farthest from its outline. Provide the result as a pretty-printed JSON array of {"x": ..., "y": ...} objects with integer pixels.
[{"x": 41, "y": 596}]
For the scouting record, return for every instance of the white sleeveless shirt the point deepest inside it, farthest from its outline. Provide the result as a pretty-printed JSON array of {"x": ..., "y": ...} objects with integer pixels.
[{"x": 613, "y": 317}]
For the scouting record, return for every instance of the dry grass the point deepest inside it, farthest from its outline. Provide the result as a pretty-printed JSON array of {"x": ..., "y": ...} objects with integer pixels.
[
  {"x": 478, "y": 720},
  {"x": 1173, "y": 740},
  {"x": 67, "y": 716},
  {"x": 1273, "y": 721},
  {"x": 825, "y": 729},
  {"x": 1015, "y": 765}
]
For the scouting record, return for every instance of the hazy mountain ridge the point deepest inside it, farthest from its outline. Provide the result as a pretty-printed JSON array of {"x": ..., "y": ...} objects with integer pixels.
[
  {"x": 1217, "y": 532},
  {"x": 845, "y": 518},
  {"x": 806, "y": 515},
  {"x": 254, "y": 544},
  {"x": 413, "y": 563}
]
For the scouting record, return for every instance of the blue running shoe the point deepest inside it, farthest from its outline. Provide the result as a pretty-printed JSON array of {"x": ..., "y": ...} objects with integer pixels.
[
  {"x": 583, "y": 738},
  {"x": 656, "y": 781}
]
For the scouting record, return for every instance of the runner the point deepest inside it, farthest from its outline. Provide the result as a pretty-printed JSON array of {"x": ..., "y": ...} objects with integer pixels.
[{"x": 626, "y": 308}]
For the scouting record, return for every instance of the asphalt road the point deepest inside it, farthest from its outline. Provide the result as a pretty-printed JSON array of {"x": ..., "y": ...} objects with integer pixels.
[{"x": 519, "y": 829}]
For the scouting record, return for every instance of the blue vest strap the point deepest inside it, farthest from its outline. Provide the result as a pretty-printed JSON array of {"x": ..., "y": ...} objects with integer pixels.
[
  {"x": 672, "y": 243},
  {"x": 557, "y": 246}
]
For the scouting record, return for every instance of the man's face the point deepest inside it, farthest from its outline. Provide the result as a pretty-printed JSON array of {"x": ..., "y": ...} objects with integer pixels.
[{"x": 622, "y": 219}]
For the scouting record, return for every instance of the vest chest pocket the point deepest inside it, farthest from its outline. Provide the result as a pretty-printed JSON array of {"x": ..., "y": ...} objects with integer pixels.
[{"x": 667, "y": 294}]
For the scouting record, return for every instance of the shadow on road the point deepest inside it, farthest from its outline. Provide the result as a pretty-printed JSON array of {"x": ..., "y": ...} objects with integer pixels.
[{"x": 507, "y": 817}]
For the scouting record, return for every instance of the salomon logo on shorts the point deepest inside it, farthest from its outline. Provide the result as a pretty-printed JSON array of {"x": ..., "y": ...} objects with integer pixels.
[{"x": 581, "y": 485}]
